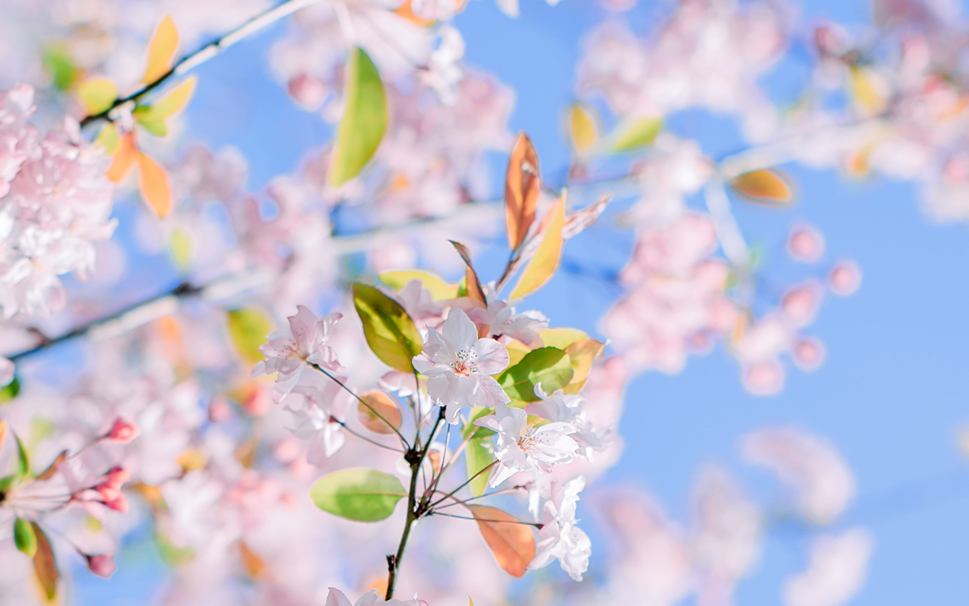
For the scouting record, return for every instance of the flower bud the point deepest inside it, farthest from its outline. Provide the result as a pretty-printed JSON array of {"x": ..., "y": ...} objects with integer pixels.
[
  {"x": 101, "y": 564},
  {"x": 122, "y": 431}
]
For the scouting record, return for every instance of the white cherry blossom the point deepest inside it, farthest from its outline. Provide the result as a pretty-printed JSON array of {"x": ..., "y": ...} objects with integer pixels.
[
  {"x": 459, "y": 365},
  {"x": 559, "y": 537}
]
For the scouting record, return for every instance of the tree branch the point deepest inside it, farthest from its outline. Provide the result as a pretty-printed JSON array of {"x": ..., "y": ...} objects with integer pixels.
[{"x": 206, "y": 52}]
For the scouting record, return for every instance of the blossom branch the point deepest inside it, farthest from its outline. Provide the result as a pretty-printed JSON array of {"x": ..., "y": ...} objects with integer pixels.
[{"x": 204, "y": 53}]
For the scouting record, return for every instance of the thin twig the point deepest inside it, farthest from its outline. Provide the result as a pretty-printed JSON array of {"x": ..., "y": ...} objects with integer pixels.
[{"x": 204, "y": 53}]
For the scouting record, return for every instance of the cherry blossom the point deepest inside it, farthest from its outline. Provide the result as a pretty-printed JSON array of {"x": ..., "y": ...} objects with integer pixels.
[
  {"x": 458, "y": 366},
  {"x": 559, "y": 537}
]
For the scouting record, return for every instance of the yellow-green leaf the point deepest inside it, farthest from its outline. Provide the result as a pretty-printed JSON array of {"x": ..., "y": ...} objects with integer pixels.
[
  {"x": 150, "y": 122},
  {"x": 24, "y": 537},
  {"x": 248, "y": 329},
  {"x": 546, "y": 365},
  {"x": 108, "y": 138},
  {"x": 478, "y": 455},
  {"x": 439, "y": 288},
  {"x": 175, "y": 98},
  {"x": 180, "y": 247},
  {"x": 561, "y": 337},
  {"x": 161, "y": 50},
  {"x": 97, "y": 95},
  {"x": 768, "y": 186},
  {"x": 582, "y": 123},
  {"x": 390, "y": 332},
  {"x": 545, "y": 262},
  {"x": 364, "y": 119},
  {"x": 636, "y": 132},
  {"x": 364, "y": 495}
]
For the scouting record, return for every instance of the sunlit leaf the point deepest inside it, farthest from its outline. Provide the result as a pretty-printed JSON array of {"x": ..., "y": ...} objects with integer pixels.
[
  {"x": 153, "y": 124},
  {"x": 97, "y": 94},
  {"x": 406, "y": 11},
  {"x": 45, "y": 565},
  {"x": 511, "y": 542},
  {"x": 364, "y": 119},
  {"x": 364, "y": 495},
  {"x": 546, "y": 365},
  {"x": 24, "y": 537},
  {"x": 767, "y": 186},
  {"x": 161, "y": 50},
  {"x": 582, "y": 355},
  {"x": 473, "y": 287},
  {"x": 523, "y": 187},
  {"x": 582, "y": 123},
  {"x": 175, "y": 99},
  {"x": 478, "y": 455},
  {"x": 390, "y": 332},
  {"x": 561, "y": 337},
  {"x": 180, "y": 247},
  {"x": 254, "y": 566},
  {"x": 59, "y": 63},
  {"x": 380, "y": 414},
  {"x": 636, "y": 133},
  {"x": 153, "y": 183},
  {"x": 124, "y": 158},
  {"x": 10, "y": 391},
  {"x": 439, "y": 288},
  {"x": 248, "y": 328},
  {"x": 23, "y": 462},
  {"x": 868, "y": 90},
  {"x": 545, "y": 262},
  {"x": 108, "y": 138}
]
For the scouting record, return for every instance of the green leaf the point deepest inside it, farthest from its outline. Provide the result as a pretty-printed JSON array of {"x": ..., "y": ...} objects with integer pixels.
[
  {"x": 172, "y": 554},
  {"x": 390, "y": 332},
  {"x": 10, "y": 391},
  {"x": 60, "y": 65},
  {"x": 549, "y": 366},
  {"x": 479, "y": 432},
  {"x": 364, "y": 495},
  {"x": 23, "y": 463},
  {"x": 150, "y": 121},
  {"x": 635, "y": 133},
  {"x": 24, "y": 537},
  {"x": 364, "y": 119},
  {"x": 248, "y": 328},
  {"x": 478, "y": 455}
]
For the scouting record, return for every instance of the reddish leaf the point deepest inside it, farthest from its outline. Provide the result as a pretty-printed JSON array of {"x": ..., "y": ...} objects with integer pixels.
[
  {"x": 124, "y": 159},
  {"x": 153, "y": 183},
  {"x": 380, "y": 414},
  {"x": 45, "y": 565},
  {"x": 475, "y": 291},
  {"x": 523, "y": 185},
  {"x": 52, "y": 468},
  {"x": 546, "y": 259},
  {"x": 768, "y": 186},
  {"x": 511, "y": 541}
]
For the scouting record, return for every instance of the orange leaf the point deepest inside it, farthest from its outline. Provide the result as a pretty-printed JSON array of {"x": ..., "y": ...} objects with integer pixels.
[
  {"x": 124, "y": 159},
  {"x": 153, "y": 183},
  {"x": 523, "y": 185},
  {"x": 546, "y": 259},
  {"x": 406, "y": 11},
  {"x": 473, "y": 284},
  {"x": 382, "y": 416},
  {"x": 161, "y": 50},
  {"x": 511, "y": 541},
  {"x": 254, "y": 566},
  {"x": 3, "y": 432},
  {"x": 45, "y": 565},
  {"x": 769, "y": 186}
]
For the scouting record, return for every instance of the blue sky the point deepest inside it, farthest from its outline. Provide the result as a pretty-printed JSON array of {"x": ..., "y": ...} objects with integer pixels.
[{"x": 892, "y": 395}]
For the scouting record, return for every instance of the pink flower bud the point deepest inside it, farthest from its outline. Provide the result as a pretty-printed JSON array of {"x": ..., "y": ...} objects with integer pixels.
[
  {"x": 844, "y": 278},
  {"x": 307, "y": 91},
  {"x": 764, "y": 378},
  {"x": 119, "y": 504},
  {"x": 101, "y": 564},
  {"x": 116, "y": 477},
  {"x": 805, "y": 244},
  {"x": 108, "y": 492},
  {"x": 808, "y": 354},
  {"x": 122, "y": 431},
  {"x": 800, "y": 304}
]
